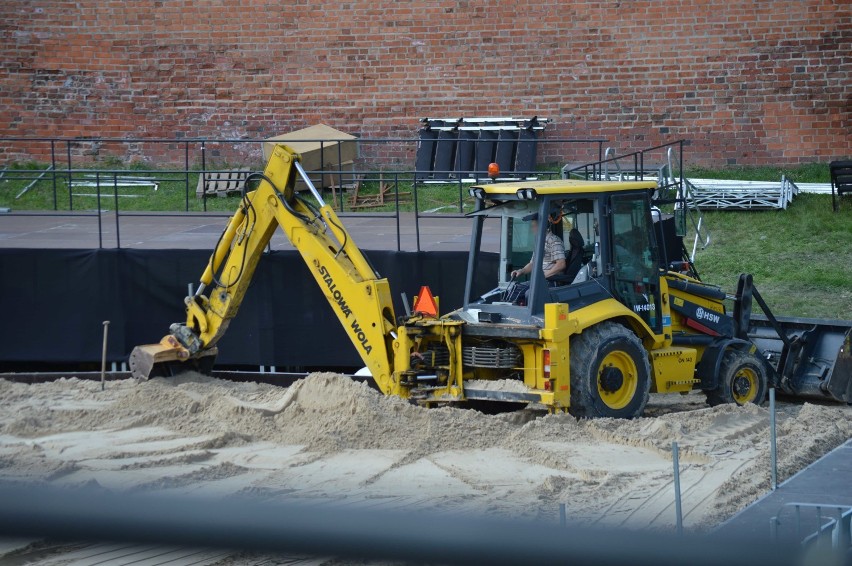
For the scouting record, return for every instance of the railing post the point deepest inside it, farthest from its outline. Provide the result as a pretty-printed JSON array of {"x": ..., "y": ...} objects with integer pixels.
[
  {"x": 773, "y": 456},
  {"x": 53, "y": 167},
  {"x": 115, "y": 193},
  {"x": 396, "y": 194},
  {"x": 798, "y": 522},
  {"x": 70, "y": 181},
  {"x": 340, "y": 175},
  {"x": 678, "y": 510},
  {"x": 843, "y": 530},
  {"x": 104, "y": 354},
  {"x": 340, "y": 183},
  {"x": 186, "y": 171},
  {"x": 204, "y": 176},
  {"x": 599, "y": 173},
  {"x": 100, "y": 223},
  {"x": 416, "y": 213}
]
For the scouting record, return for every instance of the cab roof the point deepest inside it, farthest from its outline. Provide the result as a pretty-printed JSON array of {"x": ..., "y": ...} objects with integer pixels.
[{"x": 565, "y": 186}]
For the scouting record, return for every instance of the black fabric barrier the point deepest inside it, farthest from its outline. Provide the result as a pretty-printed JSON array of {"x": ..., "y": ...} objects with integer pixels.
[{"x": 54, "y": 302}]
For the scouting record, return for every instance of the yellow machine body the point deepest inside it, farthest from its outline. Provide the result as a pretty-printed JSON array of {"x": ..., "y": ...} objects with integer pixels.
[{"x": 621, "y": 350}]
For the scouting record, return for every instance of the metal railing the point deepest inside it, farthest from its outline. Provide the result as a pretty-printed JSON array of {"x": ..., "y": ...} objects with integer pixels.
[
  {"x": 832, "y": 535},
  {"x": 69, "y": 163},
  {"x": 75, "y": 162},
  {"x": 667, "y": 170},
  {"x": 639, "y": 165}
]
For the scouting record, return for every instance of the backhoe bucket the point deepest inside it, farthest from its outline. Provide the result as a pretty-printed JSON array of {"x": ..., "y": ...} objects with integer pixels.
[
  {"x": 816, "y": 360},
  {"x": 167, "y": 358}
]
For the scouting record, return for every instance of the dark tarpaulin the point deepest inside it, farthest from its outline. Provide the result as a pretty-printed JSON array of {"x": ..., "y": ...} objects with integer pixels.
[{"x": 54, "y": 302}]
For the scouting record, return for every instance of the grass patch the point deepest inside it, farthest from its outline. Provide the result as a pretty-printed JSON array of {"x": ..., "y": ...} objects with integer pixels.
[
  {"x": 176, "y": 192},
  {"x": 807, "y": 173},
  {"x": 800, "y": 257}
]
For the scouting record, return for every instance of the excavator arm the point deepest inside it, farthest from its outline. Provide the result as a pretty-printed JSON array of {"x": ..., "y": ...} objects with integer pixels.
[{"x": 357, "y": 295}]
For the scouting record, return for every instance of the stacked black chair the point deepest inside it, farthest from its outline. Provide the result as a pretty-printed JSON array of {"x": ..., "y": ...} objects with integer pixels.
[
  {"x": 451, "y": 149},
  {"x": 841, "y": 180}
]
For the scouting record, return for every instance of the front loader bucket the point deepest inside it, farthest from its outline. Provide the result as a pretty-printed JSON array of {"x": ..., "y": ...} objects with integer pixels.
[
  {"x": 166, "y": 358},
  {"x": 815, "y": 362}
]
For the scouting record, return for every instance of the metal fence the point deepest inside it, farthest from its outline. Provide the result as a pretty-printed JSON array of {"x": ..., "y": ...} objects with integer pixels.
[{"x": 100, "y": 178}]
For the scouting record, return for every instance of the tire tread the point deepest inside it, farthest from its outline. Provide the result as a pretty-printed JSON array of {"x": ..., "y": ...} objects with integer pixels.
[{"x": 583, "y": 355}]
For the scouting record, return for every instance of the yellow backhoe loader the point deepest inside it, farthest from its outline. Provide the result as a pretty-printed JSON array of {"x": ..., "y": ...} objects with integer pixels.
[{"x": 618, "y": 322}]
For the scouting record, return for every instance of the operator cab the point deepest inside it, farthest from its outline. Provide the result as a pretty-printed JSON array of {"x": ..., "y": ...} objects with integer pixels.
[{"x": 605, "y": 227}]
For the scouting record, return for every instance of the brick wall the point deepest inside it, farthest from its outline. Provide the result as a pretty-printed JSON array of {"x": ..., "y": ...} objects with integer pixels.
[{"x": 746, "y": 82}]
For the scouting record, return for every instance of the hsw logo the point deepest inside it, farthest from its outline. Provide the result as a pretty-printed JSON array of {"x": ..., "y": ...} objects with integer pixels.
[{"x": 702, "y": 314}]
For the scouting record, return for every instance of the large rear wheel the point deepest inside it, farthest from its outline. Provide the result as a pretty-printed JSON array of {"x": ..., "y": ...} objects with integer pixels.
[
  {"x": 742, "y": 379},
  {"x": 610, "y": 373}
]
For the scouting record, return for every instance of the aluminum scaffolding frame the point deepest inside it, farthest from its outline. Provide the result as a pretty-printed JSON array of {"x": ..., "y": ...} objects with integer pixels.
[{"x": 742, "y": 195}]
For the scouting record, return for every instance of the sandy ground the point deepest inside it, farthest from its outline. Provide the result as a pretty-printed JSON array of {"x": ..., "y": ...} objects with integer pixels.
[{"x": 333, "y": 439}]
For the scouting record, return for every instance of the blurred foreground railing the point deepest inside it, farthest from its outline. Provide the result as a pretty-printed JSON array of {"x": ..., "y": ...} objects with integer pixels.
[
  {"x": 829, "y": 527},
  {"x": 280, "y": 526}
]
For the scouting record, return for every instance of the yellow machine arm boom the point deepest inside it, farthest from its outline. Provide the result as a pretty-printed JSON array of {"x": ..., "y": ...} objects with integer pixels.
[{"x": 358, "y": 296}]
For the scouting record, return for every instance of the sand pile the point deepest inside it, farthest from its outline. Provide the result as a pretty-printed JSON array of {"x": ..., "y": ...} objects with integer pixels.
[{"x": 332, "y": 438}]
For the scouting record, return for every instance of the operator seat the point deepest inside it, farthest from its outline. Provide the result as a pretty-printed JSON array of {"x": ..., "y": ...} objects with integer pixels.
[
  {"x": 573, "y": 259},
  {"x": 574, "y": 256}
]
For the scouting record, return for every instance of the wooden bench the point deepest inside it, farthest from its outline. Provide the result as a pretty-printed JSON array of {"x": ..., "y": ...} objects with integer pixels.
[{"x": 841, "y": 180}]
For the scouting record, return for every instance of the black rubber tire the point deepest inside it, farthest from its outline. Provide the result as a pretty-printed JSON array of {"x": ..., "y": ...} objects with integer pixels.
[
  {"x": 742, "y": 379},
  {"x": 595, "y": 355}
]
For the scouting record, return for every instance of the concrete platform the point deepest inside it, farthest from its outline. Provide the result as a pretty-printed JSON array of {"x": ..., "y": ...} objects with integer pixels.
[
  {"x": 201, "y": 231},
  {"x": 826, "y": 482}
]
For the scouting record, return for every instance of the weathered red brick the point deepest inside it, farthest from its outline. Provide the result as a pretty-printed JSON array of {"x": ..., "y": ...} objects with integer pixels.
[{"x": 745, "y": 82}]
